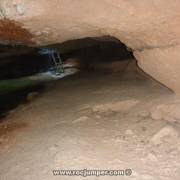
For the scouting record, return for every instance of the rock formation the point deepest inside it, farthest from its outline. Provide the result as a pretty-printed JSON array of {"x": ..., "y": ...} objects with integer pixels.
[{"x": 149, "y": 27}]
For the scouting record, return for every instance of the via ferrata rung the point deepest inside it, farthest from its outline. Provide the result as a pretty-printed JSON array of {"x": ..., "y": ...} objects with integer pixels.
[{"x": 56, "y": 58}]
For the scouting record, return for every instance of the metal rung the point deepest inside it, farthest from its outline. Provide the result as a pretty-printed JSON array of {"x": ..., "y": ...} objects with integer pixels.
[{"x": 55, "y": 56}]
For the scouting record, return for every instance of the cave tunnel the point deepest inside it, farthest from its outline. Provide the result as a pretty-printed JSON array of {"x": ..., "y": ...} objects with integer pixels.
[
  {"x": 78, "y": 101},
  {"x": 89, "y": 89},
  {"x": 104, "y": 54}
]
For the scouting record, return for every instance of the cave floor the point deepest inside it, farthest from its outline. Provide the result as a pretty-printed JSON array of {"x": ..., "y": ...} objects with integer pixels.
[{"x": 96, "y": 121}]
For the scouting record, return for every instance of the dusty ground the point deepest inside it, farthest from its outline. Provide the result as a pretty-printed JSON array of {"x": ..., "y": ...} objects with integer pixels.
[{"x": 94, "y": 121}]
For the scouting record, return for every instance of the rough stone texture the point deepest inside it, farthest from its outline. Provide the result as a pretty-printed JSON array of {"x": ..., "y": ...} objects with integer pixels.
[
  {"x": 151, "y": 28},
  {"x": 164, "y": 135},
  {"x": 12, "y": 33},
  {"x": 163, "y": 64}
]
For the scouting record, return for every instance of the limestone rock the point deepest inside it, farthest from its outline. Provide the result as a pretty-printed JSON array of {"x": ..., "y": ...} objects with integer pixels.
[
  {"x": 121, "y": 106},
  {"x": 165, "y": 135},
  {"x": 150, "y": 28}
]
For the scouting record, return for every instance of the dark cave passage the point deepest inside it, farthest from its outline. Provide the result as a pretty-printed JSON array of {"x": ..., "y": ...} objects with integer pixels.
[
  {"x": 22, "y": 64},
  {"x": 89, "y": 89}
]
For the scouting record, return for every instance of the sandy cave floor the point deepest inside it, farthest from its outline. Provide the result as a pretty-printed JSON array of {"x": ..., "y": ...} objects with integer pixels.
[{"x": 94, "y": 121}]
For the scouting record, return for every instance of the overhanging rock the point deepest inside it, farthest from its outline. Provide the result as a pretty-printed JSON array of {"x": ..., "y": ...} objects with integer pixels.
[{"x": 150, "y": 28}]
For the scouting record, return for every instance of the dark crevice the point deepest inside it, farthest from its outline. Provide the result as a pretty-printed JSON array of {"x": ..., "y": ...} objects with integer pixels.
[{"x": 17, "y": 62}]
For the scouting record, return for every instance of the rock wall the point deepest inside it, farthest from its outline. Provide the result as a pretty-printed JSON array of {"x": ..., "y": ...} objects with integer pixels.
[{"x": 149, "y": 27}]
